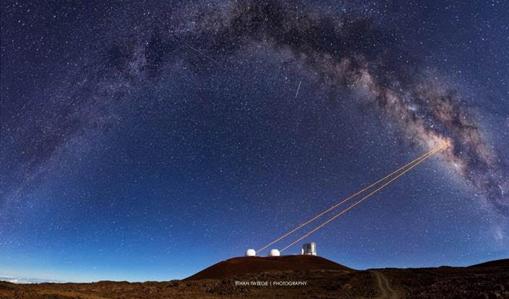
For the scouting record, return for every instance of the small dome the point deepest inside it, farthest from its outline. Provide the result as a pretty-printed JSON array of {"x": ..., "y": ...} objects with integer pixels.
[
  {"x": 250, "y": 252},
  {"x": 274, "y": 252}
]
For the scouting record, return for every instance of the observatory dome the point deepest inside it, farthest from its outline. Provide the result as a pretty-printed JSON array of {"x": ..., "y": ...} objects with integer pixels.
[
  {"x": 274, "y": 252},
  {"x": 250, "y": 252}
]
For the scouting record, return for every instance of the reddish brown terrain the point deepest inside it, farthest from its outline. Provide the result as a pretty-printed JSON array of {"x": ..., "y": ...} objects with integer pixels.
[
  {"x": 239, "y": 266},
  {"x": 292, "y": 277}
]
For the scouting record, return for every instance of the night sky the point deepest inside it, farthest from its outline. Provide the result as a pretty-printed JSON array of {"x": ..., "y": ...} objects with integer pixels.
[{"x": 147, "y": 140}]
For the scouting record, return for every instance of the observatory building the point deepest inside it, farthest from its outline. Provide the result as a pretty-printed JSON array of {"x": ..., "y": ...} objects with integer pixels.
[
  {"x": 308, "y": 249},
  {"x": 274, "y": 252}
]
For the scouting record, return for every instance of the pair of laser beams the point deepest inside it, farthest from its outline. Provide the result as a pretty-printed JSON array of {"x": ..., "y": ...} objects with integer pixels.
[{"x": 377, "y": 186}]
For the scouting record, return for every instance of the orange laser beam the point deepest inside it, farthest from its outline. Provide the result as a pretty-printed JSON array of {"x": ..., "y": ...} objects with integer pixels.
[
  {"x": 343, "y": 201},
  {"x": 362, "y": 199}
]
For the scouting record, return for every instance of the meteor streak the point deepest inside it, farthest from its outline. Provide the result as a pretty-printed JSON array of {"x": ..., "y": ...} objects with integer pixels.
[
  {"x": 422, "y": 159},
  {"x": 298, "y": 88},
  {"x": 203, "y": 54}
]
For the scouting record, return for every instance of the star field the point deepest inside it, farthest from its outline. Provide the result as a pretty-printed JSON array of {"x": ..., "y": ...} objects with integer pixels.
[{"x": 145, "y": 141}]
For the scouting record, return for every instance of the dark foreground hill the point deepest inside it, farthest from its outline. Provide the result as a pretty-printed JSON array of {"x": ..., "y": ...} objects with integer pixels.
[
  {"x": 239, "y": 266},
  {"x": 497, "y": 263},
  {"x": 292, "y": 277}
]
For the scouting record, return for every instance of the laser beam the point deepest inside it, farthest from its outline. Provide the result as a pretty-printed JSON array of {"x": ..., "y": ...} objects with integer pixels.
[
  {"x": 347, "y": 199},
  {"x": 363, "y": 198}
]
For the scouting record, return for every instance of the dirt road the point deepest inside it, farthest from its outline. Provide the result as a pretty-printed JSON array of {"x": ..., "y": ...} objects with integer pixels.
[{"x": 386, "y": 291}]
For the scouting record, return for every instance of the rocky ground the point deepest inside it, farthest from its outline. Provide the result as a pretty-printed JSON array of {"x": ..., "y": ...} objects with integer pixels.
[{"x": 305, "y": 279}]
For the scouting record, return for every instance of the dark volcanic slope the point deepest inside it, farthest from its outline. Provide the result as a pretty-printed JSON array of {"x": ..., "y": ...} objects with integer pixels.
[
  {"x": 324, "y": 279},
  {"x": 498, "y": 263},
  {"x": 254, "y": 264}
]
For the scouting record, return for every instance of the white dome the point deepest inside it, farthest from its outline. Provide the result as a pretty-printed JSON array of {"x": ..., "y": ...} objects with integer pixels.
[
  {"x": 250, "y": 252},
  {"x": 274, "y": 252}
]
